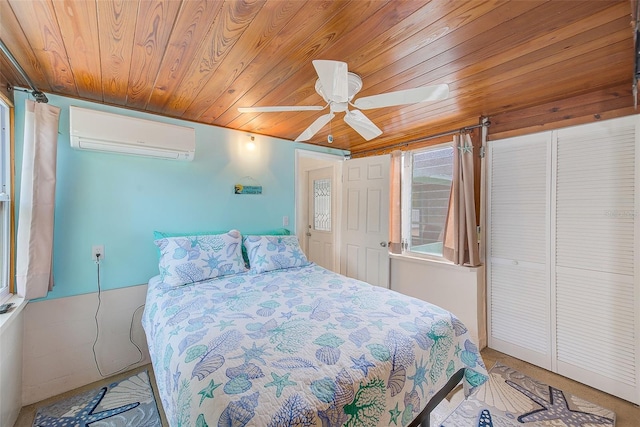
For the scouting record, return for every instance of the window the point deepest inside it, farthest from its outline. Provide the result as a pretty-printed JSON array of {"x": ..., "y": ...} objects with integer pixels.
[
  {"x": 322, "y": 205},
  {"x": 5, "y": 201},
  {"x": 426, "y": 189}
]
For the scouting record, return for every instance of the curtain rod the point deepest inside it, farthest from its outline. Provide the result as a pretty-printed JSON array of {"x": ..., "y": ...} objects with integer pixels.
[
  {"x": 38, "y": 95},
  {"x": 427, "y": 138}
]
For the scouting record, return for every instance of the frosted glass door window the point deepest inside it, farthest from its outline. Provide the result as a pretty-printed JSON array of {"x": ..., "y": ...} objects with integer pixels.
[{"x": 322, "y": 205}]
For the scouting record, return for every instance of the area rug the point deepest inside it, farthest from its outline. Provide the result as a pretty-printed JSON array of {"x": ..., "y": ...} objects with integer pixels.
[
  {"x": 511, "y": 398},
  {"x": 129, "y": 403}
]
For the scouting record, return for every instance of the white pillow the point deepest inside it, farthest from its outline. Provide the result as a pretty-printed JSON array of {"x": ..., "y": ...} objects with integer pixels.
[
  {"x": 189, "y": 259},
  {"x": 267, "y": 253}
]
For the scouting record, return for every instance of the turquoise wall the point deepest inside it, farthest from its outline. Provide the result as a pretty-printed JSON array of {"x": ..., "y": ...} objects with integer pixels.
[{"x": 118, "y": 201}]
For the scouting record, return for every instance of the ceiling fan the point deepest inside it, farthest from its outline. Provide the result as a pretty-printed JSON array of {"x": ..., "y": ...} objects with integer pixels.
[{"x": 337, "y": 86}]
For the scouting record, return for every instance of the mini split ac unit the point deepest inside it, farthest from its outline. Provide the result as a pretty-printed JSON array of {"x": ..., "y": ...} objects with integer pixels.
[{"x": 113, "y": 133}]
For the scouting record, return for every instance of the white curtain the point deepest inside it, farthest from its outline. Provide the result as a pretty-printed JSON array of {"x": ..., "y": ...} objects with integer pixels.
[
  {"x": 34, "y": 246},
  {"x": 460, "y": 243}
]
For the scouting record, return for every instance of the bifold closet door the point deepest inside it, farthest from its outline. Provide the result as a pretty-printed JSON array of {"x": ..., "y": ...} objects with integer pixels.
[
  {"x": 595, "y": 251},
  {"x": 519, "y": 316}
]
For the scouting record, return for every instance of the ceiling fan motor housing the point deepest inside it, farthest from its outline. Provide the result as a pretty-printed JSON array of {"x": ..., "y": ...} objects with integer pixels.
[{"x": 354, "y": 85}]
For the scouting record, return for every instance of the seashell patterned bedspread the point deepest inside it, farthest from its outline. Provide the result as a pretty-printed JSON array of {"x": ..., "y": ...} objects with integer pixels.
[{"x": 300, "y": 347}]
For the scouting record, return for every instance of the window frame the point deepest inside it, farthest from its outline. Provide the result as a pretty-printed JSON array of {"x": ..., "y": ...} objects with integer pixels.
[
  {"x": 7, "y": 231},
  {"x": 406, "y": 210}
]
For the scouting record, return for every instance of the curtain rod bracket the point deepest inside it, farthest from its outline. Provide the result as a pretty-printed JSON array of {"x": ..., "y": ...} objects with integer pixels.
[{"x": 40, "y": 96}]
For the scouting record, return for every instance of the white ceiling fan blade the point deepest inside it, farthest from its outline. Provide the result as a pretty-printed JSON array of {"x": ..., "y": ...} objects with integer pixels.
[
  {"x": 407, "y": 96},
  {"x": 361, "y": 124},
  {"x": 334, "y": 79},
  {"x": 275, "y": 109},
  {"x": 315, "y": 127}
]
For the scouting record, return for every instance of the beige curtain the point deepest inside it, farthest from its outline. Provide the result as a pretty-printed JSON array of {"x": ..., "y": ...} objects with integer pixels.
[
  {"x": 34, "y": 246},
  {"x": 460, "y": 243},
  {"x": 395, "y": 230}
]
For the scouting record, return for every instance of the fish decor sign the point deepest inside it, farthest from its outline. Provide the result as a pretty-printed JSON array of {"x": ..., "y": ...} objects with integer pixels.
[{"x": 247, "y": 189}]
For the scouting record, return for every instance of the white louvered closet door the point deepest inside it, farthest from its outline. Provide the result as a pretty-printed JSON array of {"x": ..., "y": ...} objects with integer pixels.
[
  {"x": 518, "y": 251},
  {"x": 563, "y": 245},
  {"x": 595, "y": 251}
]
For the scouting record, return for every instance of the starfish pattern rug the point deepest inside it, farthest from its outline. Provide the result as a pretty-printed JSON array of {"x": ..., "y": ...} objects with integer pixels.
[
  {"x": 129, "y": 403},
  {"x": 511, "y": 398}
]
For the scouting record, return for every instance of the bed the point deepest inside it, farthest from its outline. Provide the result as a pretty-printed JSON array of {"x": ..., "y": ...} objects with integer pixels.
[{"x": 289, "y": 343}]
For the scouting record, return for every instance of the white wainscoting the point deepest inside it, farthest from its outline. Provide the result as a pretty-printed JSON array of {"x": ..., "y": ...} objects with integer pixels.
[
  {"x": 461, "y": 290},
  {"x": 11, "y": 363},
  {"x": 59, "y": 335}
]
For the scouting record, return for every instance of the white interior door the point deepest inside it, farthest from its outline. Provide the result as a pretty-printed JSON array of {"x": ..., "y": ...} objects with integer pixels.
[
  {"x": 365, "y": 230},
  {"x": 321, "y": 225}
]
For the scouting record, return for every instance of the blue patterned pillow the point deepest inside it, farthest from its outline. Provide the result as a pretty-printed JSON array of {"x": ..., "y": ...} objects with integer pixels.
[
  {"x": 188, "y": 259},
  {"x": 268, "y": 253}
]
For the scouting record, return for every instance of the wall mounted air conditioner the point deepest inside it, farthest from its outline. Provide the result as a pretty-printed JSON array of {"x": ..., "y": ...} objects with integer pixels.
[{"x": 113, "y": 133}]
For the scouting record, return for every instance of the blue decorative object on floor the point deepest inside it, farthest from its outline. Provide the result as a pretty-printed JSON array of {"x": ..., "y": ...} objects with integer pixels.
[
  {"x": 511, "y": 399},
  {"x": 127, "y": 403},
  {"x": 485, "y": 419}
]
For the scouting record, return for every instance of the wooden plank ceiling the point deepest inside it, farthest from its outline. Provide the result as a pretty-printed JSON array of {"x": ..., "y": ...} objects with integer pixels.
[{"x": 200, "y": 60}]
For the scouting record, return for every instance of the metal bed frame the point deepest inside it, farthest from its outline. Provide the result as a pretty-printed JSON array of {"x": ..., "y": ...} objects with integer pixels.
[{"x": 424, "y": 418}]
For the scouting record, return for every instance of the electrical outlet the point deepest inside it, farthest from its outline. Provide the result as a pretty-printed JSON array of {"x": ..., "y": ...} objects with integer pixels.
[
  {"x": 95, "y": 250},
  {"x": 285, "y": 221}
]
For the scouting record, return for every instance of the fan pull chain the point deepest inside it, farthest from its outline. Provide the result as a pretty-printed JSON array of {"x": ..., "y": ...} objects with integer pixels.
[{"x": 330, "y": 136}]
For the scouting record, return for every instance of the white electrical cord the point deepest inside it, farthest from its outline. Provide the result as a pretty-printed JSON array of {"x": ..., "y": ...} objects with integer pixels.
[{"x": 95, "y": 358}]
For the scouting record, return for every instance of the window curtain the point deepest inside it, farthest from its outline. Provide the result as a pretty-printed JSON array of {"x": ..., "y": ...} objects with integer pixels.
[
  {"x": 460, "y": 243},
  {"x": 395, "y": 215},
  {"x": 34, "y": 246}
]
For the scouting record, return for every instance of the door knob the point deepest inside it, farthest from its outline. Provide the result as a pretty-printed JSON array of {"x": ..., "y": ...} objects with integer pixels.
[
  {"x": 308, "y": 234},
  {"x": 383, "y": 244}
]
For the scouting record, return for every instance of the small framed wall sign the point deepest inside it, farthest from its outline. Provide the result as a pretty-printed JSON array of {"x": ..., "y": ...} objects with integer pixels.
[
  {"x": 247, "y": 189},
  {"x": 247, "y": 185}
]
